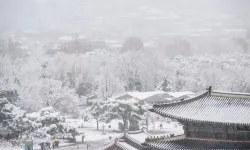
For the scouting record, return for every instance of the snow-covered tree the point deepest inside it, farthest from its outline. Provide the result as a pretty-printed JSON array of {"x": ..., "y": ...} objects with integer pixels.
[
  {"x": 128, "y": 70},
  {"x": 63, "y": 99},
  {"x": 15, "y": 122},
  {"x": 164, "y": 85},
  {"x": 12, "y": 119},
  {"x": 50, "y": 123},
  {"x": 109, "y": 82},
  {"x": 132, "y": 43},
  {"x": 130, "y": 113}
]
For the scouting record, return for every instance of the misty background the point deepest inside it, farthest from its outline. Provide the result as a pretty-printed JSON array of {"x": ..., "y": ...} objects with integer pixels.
[{"x": 195, "y": 20}]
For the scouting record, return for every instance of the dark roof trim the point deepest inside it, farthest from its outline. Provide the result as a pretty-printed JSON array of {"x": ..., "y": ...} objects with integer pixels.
[
  {"x": 182, "y": 137},
  {"x": 231, "y": 94},
  {"x": 160, "y": 139},
  {"x": 217, "y": 140},
  {"x": 200, "y": 121}
]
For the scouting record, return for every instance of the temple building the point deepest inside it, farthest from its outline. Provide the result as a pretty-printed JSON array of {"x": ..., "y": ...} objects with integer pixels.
[{"x": 212, "y": 120}]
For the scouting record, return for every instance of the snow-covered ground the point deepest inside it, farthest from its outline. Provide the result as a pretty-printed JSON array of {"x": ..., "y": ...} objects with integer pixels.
[{"x": 97, "y": 139}]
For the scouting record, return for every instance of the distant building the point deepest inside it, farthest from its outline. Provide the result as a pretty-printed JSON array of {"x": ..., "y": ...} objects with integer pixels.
[
  {"x": 139, "y": 96},
  {"x": 88, "y": 100},
  {"x": 153, "y": 97},
  {"x": 91, "y": 99},
  {"x": 168, "y": 97}
]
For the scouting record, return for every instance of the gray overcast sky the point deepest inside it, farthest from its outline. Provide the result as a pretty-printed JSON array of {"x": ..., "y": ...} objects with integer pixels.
[{"x": 69, "y": 14}]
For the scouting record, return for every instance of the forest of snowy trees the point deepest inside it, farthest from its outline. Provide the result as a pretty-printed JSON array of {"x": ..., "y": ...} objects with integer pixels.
[
  {"x": 61, "y": 80},
  {"x": 39, "y": 90}
]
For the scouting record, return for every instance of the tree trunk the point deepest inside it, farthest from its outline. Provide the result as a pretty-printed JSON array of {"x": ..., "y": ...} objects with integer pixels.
[
  {"x": 97, "y": 124},
  {"x": 124, "y": 123}
]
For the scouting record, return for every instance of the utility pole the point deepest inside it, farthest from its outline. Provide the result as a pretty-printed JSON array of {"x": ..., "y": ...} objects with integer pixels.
[
  {"x": 147, "y": 115},
  {"x": 97, "y": 124},
  {"x": 103, "y": 126}
]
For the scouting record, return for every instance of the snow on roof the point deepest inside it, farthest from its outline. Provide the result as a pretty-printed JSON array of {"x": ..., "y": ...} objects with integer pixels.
[
  {"x": 180, "y": 142},
  {"x": 132, "y": 101},
  {"x": 126, "y": 145},
  {"x": 143, "y": 95},
  {"x": 179, "y": 94},
  {"x": 214, "y": 107},
  {"x": 140, "y": 137}
]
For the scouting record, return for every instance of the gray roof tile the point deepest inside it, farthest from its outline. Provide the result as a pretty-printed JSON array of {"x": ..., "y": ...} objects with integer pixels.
[{"x": 228, "y": 108}]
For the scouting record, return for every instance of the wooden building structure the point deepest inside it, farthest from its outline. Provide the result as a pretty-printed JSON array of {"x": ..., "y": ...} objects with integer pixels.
[{"x": 212, "y": 120}]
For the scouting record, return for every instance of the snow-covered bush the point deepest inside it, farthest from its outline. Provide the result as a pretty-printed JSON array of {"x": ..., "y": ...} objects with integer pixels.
[
  {"x": 47, "y": 122},
  {"x": 11, "y": 119},
  {"x": 51, "y": 123}
]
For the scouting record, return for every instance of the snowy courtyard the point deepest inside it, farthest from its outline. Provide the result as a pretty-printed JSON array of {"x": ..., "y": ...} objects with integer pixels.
[{"x": 95, "y": 139}]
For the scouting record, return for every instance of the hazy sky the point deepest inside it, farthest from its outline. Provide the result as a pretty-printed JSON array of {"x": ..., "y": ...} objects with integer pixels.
[{"x": 78, "y": 14}]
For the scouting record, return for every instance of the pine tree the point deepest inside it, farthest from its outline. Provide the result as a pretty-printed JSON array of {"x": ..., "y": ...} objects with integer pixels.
[
  {"x": 130, "y": 113},
  {"x": 11, "y": 119},
  {"x": 49, "y": 122}
]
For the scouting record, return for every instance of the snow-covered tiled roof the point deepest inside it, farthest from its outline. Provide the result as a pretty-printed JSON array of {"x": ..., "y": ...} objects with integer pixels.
[
  {"x": 197, "y": 144},
  {"x": 125, "y": 146},
  {"x": 179, "y": 94},
  {"x": 140, "y": 137},
  {"x": 216, "y": 107},
  {"x": 143, "y": 95},
  {"x": 138, "y": 95}
]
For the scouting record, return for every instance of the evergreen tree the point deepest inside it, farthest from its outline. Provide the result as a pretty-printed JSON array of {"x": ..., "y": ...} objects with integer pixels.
[
  {"x": 50, "y": 123},
  {"x": 11, "y": 119},
  {"x": 165, "y": 85},
  {"x": 130, "y": 113}
]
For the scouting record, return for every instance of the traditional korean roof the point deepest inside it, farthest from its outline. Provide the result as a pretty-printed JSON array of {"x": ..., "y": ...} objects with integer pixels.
[
  {"x": 128, "y": 141},
  {"x": 209, "y": 107},
  {"x": 197, "y": 144},
  {"x": 139, "y": 95}
]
